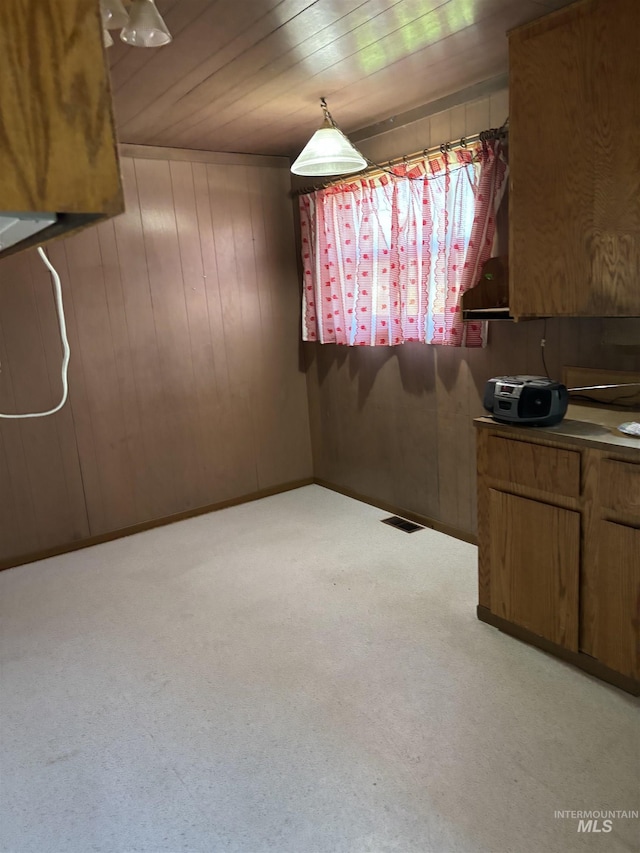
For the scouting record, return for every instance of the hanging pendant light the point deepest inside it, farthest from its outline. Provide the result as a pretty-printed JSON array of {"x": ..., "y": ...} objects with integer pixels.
[
  {"x": 328, "y": 152},
  {"x": 114, "y": 15},
  {"x": 145, "y": 27}
]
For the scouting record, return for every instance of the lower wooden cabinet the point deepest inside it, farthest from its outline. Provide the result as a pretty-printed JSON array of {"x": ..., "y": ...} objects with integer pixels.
[
  {"x": 612, "y": 635},
  {"x": 535, "y": 564},
  {"x": 559, "y": 544}
]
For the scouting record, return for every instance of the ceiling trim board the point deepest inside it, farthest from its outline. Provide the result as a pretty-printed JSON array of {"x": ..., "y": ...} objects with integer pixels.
[
  {"x": 196, "y": 155},
  {"x": 464, "y": 96}
]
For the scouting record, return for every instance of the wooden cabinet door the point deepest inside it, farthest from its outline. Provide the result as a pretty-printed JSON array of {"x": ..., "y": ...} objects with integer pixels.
[
  {"x": 58, "y": 150},
  {"x": 534, "y": 558},
  {"x": 575, "y": 162},
  {"x": 612, "y": 633}
]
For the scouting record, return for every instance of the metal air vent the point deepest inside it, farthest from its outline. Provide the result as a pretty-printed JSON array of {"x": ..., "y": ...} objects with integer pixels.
[{"x": 402, "y": 524}]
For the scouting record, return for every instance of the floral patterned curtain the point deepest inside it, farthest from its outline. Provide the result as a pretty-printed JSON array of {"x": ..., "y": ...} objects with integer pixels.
[{"x": 386, "y": 260}]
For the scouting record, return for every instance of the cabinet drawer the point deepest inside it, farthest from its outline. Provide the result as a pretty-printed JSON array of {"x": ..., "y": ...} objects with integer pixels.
[
  {"x": 550, "y": 469},
  {"x": 620, "y": 486}
]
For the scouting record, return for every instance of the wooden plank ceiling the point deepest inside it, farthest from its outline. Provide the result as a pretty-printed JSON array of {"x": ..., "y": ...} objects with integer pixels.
[{"x": 247, "y": 75}]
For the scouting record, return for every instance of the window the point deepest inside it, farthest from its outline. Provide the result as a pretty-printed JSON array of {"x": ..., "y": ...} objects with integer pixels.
[{"x": 386, "y": 260}]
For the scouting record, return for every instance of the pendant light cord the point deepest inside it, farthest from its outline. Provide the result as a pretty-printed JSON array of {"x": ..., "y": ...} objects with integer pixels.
[{"x": 65, "y": 345}]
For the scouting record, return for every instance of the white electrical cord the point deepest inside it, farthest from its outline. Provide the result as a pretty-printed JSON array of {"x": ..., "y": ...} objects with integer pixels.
[{"x": 65, "y": 344}]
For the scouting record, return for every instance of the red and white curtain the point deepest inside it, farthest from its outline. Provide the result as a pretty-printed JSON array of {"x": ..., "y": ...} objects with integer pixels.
[{"x": 386, "y": 260}]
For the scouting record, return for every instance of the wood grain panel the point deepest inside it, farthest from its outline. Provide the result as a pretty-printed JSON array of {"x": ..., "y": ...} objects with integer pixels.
[
  {"x": 132, "y": 448},
  {"x": 185, "y": 386},
  {"x": 57, "y": 143},
  {"x": 173, "y": 344},
  {"x": 549, "y": 469},
  {"x": 322, "y": 34},
  {"x": 620, "y": 487},
  {"x": 112, "y": 505},
  {"x": 238, "y": 122},
  {"x": 40, "y": 486},
  {"x": 455, "y": 452},
  {"x": 591, "y": 484},
  {"x": 533, "y": 174},
  {"x": 576, "y": 190},
  {"x": 247, "y": 77},
  {"x": 126, "y": 63},
  {"x": 226, "y": 425},
  {"x": 197, "y": 320},
  {"x": 214, "y": 53},
  {"x": 275, "y": 452},
  {"x": 613, "y": 634},
  {"x": 225, "y": 211},
  {"x": 78, "y": 392},
  {"x": 145, "y": 394},
  {"x": 483, "y": 520},
  {"x": 455, "y": 459},
  {"x": 10, "y": 521},
  {"x": 64, "y": 425},
  {"x": 221, "y": 381},
  {"x": 535, "y": 559},
  {"x": 17, "y": 521},
  {"x": 462, "y": 64}
]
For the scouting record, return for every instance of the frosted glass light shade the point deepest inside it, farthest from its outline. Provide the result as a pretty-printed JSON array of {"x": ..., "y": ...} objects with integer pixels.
[
  {"x": 114, "y": 15},
  {"x": 145, "y": 27},
  {"x": 328, "y": 152},
  {"x": 106, "y": 38}
]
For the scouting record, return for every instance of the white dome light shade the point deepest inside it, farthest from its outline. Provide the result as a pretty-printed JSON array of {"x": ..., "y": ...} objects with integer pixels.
[
  {"x": 328, "y": 152},
  {"x": 114, "y": 15},
  {"x": 145, "y": 27}
]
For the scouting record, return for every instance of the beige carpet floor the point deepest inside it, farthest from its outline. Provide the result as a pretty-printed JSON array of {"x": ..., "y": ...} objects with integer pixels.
[{"x": 293, "y": 676}]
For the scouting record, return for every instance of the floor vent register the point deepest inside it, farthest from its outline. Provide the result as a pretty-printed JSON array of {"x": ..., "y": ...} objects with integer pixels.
[{"x": 402, "y": 524}]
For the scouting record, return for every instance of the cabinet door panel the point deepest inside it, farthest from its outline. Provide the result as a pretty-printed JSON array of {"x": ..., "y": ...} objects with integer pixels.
[
  {"x": 612, "y": 634},
  {"x": 58, "y": 149},
  {"x": 575, "y": 181},
  {"x": 535, "y": 556},
  {"x": 620, "y": 486}
]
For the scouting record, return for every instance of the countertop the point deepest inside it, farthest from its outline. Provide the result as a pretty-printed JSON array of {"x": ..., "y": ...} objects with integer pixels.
[{"x": 583, "y": 424}]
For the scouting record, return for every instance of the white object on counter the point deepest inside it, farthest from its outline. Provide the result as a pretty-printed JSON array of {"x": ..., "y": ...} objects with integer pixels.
[{"x": 630, "y": 428}]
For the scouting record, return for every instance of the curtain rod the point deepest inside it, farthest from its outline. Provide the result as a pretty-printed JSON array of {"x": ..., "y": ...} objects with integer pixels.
[{"x": 376, "y": 169}]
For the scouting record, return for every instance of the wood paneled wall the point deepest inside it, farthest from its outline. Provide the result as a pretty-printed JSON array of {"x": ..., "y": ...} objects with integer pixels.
[
  {"x": 395, "y": 424},
  {"x": 186, "y": 386}
]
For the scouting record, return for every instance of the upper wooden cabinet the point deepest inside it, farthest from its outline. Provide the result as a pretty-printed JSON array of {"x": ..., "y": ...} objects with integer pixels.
[
  {"x": 574, "y": 143},
  {"x": 58, "y": 151}
]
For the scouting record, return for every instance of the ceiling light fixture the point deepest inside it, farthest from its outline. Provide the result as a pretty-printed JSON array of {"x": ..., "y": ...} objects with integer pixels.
[
  {"x": 114, "y": 15},
  {"x": 328, "y": 152},
  {"x": 145, "y": 27},
  {"x": 142, "y": 26}
]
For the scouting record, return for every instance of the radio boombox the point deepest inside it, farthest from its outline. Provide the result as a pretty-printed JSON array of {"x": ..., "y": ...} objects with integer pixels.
[{"x": 532, "y": 400}]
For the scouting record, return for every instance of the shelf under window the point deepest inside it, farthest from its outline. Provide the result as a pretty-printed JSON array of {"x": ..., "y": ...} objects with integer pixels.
[{"x": 486, "y": 314}]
